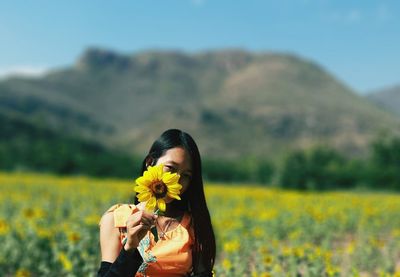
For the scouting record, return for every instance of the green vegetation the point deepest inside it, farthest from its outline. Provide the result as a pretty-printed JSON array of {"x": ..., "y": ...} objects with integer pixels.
[
  {"x": 246, "y": 110},
  {"x": 250, "y": 103},
  {"x": 49, "y": 227},
  {"x": 27, "y": 147},
  {"x": 385, "y": 163},
  {"x": 318, "y": 169},
  {"x": 24, "y": 146},
  {"x": 322, "y": 168},
  {"x": 244, "y": 170}
]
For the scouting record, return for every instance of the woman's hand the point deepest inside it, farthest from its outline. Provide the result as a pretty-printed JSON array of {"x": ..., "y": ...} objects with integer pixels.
[{"x": 137, "y": 226}]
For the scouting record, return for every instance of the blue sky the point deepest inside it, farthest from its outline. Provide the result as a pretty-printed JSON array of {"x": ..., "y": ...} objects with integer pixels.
[{"x": 357, "y": 41}]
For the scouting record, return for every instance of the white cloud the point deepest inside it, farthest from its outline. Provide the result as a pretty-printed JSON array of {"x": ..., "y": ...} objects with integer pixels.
[{"x": 23, "y": 70}]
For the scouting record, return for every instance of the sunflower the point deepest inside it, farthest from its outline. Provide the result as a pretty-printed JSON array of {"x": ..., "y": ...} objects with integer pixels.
[{"x": 155, "y": 185}]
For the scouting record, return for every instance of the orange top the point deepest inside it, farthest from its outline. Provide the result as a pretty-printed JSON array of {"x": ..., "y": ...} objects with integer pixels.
[{"x": 170, "y": 255}]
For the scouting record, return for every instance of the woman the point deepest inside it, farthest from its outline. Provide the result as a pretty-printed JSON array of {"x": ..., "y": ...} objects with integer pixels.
[{"x": 186, "y": 245}]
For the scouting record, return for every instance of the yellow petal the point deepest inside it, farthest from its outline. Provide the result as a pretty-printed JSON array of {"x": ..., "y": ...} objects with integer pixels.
[
  {"x": 160, "y": 171},
  {"x": 175, "y": 186},
  {"x": 148, "y": 174},
  {"x": 170, "y": 178},
  {"x": 177, "y": 192},
  {"x": 140, "y": 189},
  {"x": 161, "y": 205},
  {"x": 144, "y": 196},
  {"x": 143, "y": 181},
  {"x": 173, "y": 195},
  {"x": 151, "y": 204}
]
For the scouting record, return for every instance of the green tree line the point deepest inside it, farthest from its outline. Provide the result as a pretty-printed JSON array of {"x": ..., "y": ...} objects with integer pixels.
[
  {"x": 31, "y": 148},
  {"x": 322, "y": 168},
  {"x": 23, "y": 147}
]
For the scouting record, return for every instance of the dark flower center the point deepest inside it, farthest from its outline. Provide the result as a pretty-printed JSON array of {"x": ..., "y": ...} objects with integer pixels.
[{"x": 159, "y": 189}]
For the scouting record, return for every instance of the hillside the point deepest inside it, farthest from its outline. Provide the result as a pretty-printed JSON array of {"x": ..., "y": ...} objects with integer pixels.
[
  {"x": 26, "y": 146},
  {"x": 235, "y": 103},
  {"x": 388, "y": 99}
]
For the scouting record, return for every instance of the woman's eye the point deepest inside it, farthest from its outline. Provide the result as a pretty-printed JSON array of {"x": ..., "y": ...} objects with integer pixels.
[
  {"x": 187, "y": 176},
  {"x": 169, "y": 168}
]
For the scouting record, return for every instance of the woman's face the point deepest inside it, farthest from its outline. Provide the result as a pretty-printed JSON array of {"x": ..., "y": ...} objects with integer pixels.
[{"x": 177, "y": 160}]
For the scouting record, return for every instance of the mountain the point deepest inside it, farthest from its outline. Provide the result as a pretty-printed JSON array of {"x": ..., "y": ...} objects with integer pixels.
[
  {"x": 235, "y": 103},
  {"x": 388, "y": 99}
]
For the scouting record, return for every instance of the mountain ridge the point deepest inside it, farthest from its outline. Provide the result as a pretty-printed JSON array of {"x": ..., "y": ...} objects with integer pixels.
[
  {"x": 387, "y": 99},
  {"x": 234, "y": 102}
]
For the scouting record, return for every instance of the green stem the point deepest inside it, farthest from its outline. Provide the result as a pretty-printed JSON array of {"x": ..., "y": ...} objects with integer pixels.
[{"x": 154, "y": 229}]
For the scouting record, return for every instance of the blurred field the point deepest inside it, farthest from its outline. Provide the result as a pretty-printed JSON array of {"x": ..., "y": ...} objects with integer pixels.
[{"x": 49, "y": 227}]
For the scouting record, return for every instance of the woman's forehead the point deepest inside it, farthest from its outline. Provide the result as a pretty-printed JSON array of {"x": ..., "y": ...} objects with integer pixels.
[{"x": 178, "y": 156}]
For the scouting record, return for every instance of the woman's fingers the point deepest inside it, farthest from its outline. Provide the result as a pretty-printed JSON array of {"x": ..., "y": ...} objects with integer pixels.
[
  {"x": 134, "y": 219},
  {"x": 148, "y": 218},
  {"x": 134, "y": 235},
  {"x": 136, "y": 229},
  {"x": 149, "y": 215},
  {"x": 147, "y": 221},
  {"x": 137, "y": 226},
  {"x": 141, "y": 217}
]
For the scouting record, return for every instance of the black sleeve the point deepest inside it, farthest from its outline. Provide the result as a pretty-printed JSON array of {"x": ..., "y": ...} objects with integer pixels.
[{"x": 126, "y": 264}]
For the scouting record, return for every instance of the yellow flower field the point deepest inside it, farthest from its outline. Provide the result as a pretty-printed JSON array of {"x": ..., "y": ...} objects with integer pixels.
[{"x": 49, "y": 227}]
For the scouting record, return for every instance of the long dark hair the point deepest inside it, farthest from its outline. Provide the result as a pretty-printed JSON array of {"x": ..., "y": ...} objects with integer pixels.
[{"x": 193, "y": 199}]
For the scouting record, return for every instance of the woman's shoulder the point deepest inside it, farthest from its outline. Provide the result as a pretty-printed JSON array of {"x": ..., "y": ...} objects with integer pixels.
[{"x": 107, "y": 219}]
